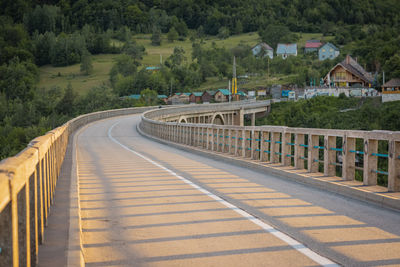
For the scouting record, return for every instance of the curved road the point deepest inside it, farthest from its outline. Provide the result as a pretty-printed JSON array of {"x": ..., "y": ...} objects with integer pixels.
[{"x": 147, "y": 204}]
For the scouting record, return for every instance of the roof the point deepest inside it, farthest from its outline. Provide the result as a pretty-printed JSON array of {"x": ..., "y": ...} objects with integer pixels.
[
  {"x": 313, "y": 44},
  {"x": 188, "y": 94},
  {"x": 263, "y": 45},
  {"x": 392, "y": 83},
  {"x": 152, "y": 68},
  {"x": 331, "y": 46},
  {"x": 211, "y": 92},
  {"x": 286, "y": 49},
  {"x": 197, "y": 93},
  {"x": 352, "y": 66},
  {"x": 241, "y": 93},
  {"x": 224, "y": 91},
  {"x": 162, "y": 96},
  {"x": 134, "y": 97},
  {"x": 178, "y": 94}
]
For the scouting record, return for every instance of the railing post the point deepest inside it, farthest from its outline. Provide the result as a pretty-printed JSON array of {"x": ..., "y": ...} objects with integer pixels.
[
  {"x": 219, "y": 139},
  {"x": 265, "y": 146},
  {"x": 313, "y": 153},
  {"x": 370, "y": 161},
  {"x": 329, "y": 155},
  {"x": 299, "y": 151},
  {"x": 235, "y": 135},
  {"x": 275, "y": 136},
  {"x": 247, "y": 144},
  {"x": 226, "y": 140},
  {"x": 286, "y": 149},
  {"x": 215, "y": 140},
  {"x": 255, "y": 148},
  {"x": 348, "y": 158},
  {"x": 394, "y": 166}
]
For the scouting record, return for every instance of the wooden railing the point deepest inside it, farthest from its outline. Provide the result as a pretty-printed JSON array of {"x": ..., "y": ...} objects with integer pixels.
[{"x": 27, "y": 189}]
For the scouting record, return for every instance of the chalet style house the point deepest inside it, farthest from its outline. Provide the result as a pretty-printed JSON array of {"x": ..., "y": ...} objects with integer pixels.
[{"x": 348, "y": 73}]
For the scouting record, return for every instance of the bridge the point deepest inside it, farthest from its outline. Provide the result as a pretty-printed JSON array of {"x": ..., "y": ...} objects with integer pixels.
[{"x": 191, "y": 185}]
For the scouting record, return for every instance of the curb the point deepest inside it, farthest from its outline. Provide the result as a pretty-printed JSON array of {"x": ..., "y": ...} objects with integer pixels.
[
  {"x": 336, "y": 187},
  {"x": 75, "y": 246}
]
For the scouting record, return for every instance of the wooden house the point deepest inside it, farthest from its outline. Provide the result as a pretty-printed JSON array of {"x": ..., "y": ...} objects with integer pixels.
[
  {"x": 222, "y": 95},
  {"x": 312, "y": 46},
  {"x": 285, "y": 50},
  {"x": 391, "y": 90},
  {"x": 208, "y": 96},
  {"x": 348, "y": 73},
  {"x": 328, "y": 51},
  {"x": 195, "y": 97},
  {"x": 262, "y": 49}
]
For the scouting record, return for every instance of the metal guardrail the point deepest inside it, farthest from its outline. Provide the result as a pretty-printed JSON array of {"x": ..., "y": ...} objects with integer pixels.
[
  {"x": 27, "y": 188},
  {"x": 332, "y": 151}
]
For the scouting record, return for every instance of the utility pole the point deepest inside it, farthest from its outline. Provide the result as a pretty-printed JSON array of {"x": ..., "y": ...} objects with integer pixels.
[
  {"x": 234, "y": 79},
  {"x": 230, "y": 90}
]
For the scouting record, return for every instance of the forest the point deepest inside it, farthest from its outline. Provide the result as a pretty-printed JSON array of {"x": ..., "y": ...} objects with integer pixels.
[{"x": 66, "y": 32}]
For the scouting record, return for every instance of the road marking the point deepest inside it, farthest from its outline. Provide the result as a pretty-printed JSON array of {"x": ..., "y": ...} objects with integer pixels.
[{"x": 287, "y": 239}]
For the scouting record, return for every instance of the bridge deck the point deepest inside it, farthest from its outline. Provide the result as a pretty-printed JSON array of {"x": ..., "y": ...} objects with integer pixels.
[{"x": 143, "y": 203}]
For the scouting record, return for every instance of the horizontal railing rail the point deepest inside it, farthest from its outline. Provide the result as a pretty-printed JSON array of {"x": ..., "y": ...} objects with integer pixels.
[{"x": 27, "y": 187}]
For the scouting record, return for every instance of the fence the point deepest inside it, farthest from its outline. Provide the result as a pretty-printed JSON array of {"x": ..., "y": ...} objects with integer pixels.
[
  {"x": 27, "y": 187},
  {"x": 365, "y": 155}
]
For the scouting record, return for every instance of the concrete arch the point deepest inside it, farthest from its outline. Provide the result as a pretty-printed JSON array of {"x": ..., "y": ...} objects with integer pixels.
[
  {"x": 218, "y": 118},
  {"x": 182, "y": 119}
]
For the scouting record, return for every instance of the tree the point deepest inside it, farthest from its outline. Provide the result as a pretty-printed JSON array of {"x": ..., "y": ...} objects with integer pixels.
[
  {"x": 223, "y": 33},
  {"x": 67, "y": 103},
  {"x": 149, "y": 97},
  {"x": 156, "y": 37},
  {"x": 18, "y": 79},
  {"x": 238, "y": 27},
  {"x": 172, "y": 35},
  {"x": 86, "y": 63},
  {"x": 177, "y": 57},
  {"x": 274, "y": 34},
  {"x": 134, "y": 50}
]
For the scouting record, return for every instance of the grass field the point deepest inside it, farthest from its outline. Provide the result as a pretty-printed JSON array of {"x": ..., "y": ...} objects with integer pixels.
[
  {"x": 102, "y": 64},
  {"x": 167, "y": 48},
  {"x": 60, "y": 76}
]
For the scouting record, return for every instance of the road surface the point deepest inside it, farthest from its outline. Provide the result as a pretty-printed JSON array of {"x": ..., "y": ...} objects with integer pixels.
[{"x": 147, "y": 204}]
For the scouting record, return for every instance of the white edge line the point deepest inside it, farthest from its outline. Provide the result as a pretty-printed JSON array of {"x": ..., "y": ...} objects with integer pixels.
[{"x": 284, "y": 237}]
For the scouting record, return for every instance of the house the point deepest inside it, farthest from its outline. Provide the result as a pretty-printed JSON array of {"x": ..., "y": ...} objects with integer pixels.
[
  {"x": 163, "y": 98},
  {"x": 153, "y": 68},
  {"x": 262, "y": 49},
  {"x": 179, "y": 98},
  {"x": 242, "y": 95},
  {"x": 222, "y": 95},
  {"x": 195, "y": 97},
  {"x": 135, "y": 97},
  {"x": 285, "y": 50},
  {"x": 328, "y": 50},
  {"x": 312, "y": 46},
  {"x": 391, "y": 90},
  {"x": 348, "y": 73},
  {"x": 208, "y": 96}
]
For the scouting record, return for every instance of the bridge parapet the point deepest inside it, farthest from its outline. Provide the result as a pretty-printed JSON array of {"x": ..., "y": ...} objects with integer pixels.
[
  {"x": 361, "y": 155},
  {"x": 27, "y": 188}
]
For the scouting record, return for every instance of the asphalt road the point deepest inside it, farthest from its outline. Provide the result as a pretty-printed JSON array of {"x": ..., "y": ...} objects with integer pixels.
[{"x": 147, "y": 204}]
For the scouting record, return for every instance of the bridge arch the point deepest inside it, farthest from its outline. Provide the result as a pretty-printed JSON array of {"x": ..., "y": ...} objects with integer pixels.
[
  {"x": 218, "y": 119},
  {"x": 182, "y": 119}
]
